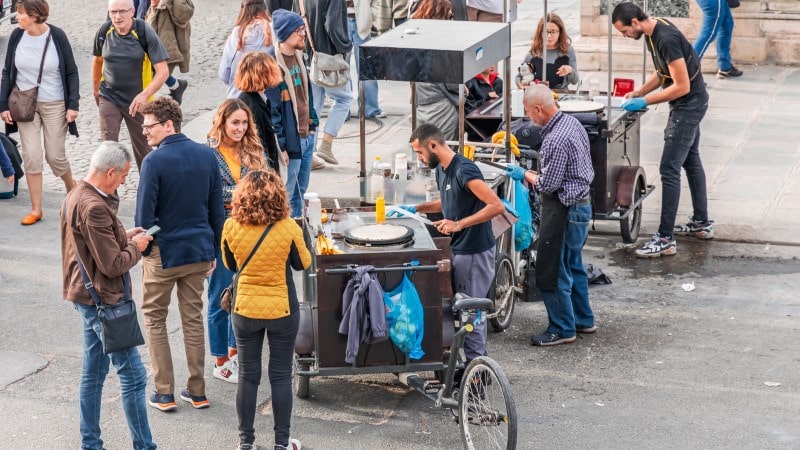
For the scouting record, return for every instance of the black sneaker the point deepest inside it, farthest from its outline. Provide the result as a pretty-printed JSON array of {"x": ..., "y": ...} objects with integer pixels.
[
  {"x": 548, "y": 339},
  {"x": 177, "y": 93},
  {"x": 658, "y": 246},
  {"x": 197, "y": 401},
  {"x": 162, "y": 402},
  {"x": 696, "y": 229},
  {"x": 733, "y": 72}
]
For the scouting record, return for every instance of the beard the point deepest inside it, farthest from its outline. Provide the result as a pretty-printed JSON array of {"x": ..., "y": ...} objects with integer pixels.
[
  {"x": 433, "y": 161},
  {"x": 638, "y": 35}
]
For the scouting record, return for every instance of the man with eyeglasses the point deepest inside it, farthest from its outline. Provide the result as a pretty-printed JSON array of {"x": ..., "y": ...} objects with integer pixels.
[
  {"x": 180, "y": 190},
  {"x": 129, "y": 67}
]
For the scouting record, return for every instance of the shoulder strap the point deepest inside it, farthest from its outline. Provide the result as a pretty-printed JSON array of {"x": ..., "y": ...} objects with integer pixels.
[
  {"x": 302, "y": 4},
  {"x": 87, "y": 282},
  {"x": 140, "y": 32},
  {"x": 44, "y": 53},
  {"x": 255, "y": 247}
]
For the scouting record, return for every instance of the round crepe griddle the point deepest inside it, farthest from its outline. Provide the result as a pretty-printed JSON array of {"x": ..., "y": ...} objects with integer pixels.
[
  {"x": 580, "y": 106},
  {"x": 379, "y": 235}
]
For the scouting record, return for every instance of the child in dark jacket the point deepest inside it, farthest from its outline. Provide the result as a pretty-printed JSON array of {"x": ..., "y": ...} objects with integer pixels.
[{"x": 483, "y": 87}]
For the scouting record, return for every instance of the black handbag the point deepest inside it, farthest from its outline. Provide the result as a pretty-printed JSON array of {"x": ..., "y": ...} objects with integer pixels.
[
  {"x": 228, "y": 296},
  {"x": 733, "y": 3},
  {"x": 22, "y": 104},
  {"x": 119, "y": 326}
]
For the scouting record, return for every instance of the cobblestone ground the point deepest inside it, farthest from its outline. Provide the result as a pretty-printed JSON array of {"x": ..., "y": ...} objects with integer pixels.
[{"x": 81, "y": 19}]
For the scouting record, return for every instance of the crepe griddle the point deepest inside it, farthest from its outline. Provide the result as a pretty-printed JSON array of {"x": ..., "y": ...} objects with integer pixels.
[{"x": 400, "y": 236}]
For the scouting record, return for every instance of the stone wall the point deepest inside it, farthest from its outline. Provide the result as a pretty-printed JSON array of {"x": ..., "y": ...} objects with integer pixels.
[{"x": 766, "y": 32}]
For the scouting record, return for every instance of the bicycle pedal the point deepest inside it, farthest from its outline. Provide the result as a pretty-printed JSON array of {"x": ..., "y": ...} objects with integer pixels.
[{"x": 432, "y": 386}]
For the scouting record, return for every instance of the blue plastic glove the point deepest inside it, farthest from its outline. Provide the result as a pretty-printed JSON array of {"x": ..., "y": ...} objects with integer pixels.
[
  {"x": 410, "y": 208},
  {"x": 634, "y": 104},
  {"x": 515, "y": 172}
]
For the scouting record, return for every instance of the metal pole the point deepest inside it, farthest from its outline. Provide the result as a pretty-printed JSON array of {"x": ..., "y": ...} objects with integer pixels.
[
  {"x": 608, "y": 91},
  {"x": 362, "y": 140},
  {"x": 461, "y": 118},
  {"x": 507, "y": 84},
  {"x": 644, "y": 54},
  {"x": 544, "y": 44},
  {"x": 413, "y": 106}
]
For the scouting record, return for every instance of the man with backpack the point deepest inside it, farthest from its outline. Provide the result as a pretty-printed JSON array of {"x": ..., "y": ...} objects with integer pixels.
[{"x": 129, "y": 66}]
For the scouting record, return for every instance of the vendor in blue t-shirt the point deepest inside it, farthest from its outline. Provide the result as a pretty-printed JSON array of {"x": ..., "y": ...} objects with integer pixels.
[{"x": 468, "y": 205}]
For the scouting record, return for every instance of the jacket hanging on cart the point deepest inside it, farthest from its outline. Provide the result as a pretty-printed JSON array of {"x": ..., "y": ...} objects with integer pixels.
[{"x": 363, "y": 312}]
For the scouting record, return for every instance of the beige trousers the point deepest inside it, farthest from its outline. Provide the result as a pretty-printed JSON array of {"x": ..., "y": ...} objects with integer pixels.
[
  {"x": 157, "y": 286},
  {"x": 50, "y": 120}
]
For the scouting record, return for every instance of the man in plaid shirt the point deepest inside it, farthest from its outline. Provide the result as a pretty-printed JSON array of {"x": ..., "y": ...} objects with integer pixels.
[{"x": 566, "y": 210}]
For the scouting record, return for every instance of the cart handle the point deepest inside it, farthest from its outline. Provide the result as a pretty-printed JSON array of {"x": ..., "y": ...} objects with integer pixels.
[{"x": 351, "y": 269}]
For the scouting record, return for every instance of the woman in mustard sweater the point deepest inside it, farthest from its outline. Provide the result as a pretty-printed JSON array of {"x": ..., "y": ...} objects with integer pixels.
[
  {"x": 266, "y": 299},
  {"x": 238, "y": 150}
]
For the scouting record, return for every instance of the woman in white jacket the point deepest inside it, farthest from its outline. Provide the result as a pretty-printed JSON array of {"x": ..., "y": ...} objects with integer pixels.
[{"x": 251, "y": 33}]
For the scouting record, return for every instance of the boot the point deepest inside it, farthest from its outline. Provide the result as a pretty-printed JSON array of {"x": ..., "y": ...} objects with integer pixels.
[
  {"x": 317, "y": 163},
  {"x": 326, "y": 152}
]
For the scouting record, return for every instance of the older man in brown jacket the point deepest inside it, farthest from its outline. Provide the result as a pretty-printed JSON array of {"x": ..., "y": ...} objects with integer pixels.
[
  {"x": 170, "y": 19},
  {"x": 91, "y": 231}
]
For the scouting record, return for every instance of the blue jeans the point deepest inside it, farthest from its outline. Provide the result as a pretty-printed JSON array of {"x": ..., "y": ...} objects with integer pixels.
[
  {"x": 220, "y": 331},
  {"x": 717, "y": 24},
  {"x": 340, "y": 110},
  {"x": 682, "y": 149},
  {"x": 280, "y": 334},
  {"x": 371, "y": 109},
  {"x": 132, "y": 381},
  {"x": 568, "y": 305},
  {"x": 299, "y": 174}
]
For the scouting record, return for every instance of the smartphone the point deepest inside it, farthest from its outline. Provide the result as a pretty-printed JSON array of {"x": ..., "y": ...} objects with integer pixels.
[{"x": 152, "y": 231}]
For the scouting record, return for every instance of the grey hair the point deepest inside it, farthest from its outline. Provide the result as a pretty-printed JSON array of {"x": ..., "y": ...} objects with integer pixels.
[
  {"x": 110, "y": 155},
  {"x": 539, "y": 94},
  {"x": 133, "y": 5}
]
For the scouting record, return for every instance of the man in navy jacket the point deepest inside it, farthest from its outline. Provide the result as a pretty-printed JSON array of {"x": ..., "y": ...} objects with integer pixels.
[{"x": 180, "y": 190}]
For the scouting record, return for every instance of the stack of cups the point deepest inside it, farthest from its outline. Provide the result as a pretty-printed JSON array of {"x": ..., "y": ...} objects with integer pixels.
[{"x": 313, "y": 209}]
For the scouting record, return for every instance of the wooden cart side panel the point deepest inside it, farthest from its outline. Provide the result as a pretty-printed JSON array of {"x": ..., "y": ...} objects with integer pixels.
[{"x": 332, "y": 345}]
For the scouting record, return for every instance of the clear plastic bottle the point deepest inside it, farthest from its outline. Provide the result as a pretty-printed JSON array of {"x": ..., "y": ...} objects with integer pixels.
[
  {"x": 376, "y": 180},
  {"x": 401, "y": 166}
]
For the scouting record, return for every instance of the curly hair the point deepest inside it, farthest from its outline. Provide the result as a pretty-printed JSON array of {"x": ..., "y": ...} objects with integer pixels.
[
  {"x": 434, "y": 9},
  {"x": 250, "y": 149},
  {"x": 563, "y": 42},
  {"x": 164, "y": 109},
  {"x": 260, "y": 199},
  {"x": 254, "y": 13},
  {"x": 257, "y": 72}
]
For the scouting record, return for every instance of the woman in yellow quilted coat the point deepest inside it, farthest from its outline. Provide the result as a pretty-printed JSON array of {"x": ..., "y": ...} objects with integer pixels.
[{"x": 266, "y": 299}]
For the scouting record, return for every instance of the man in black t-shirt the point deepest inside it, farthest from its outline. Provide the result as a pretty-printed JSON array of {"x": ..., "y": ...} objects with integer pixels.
[
  {"x": 468, "y": 205},
  {"x": 678, "y": 75}
]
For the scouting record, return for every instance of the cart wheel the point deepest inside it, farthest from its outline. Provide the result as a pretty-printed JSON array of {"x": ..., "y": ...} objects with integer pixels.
[
  {"x": 503, "y": 293},
  {"x": 300, "y": 382},
  {"x": 629, "y": 228},
  {"x": 487, "y": 414}
]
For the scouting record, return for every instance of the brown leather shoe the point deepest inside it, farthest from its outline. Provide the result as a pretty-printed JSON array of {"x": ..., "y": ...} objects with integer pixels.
[{"x": 32, "y": 218}]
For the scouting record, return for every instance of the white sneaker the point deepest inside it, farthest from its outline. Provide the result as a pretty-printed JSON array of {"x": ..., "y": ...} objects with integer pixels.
[
  {"x": 229, "y": 371},
  {"x": 294, "y": 444}
]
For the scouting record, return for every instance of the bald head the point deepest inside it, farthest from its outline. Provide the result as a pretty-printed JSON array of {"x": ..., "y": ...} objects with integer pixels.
[{"x": 539, "y": 104}]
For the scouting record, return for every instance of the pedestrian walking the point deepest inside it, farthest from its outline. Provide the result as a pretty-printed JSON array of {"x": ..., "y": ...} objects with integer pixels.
[
  {"x": 261, "y": 233},
  {"x": 258, "y": 72},
  {"x": 681, "y": 81},
  {"x": 172, "y": 21},
  {"x": 238, "y": 151},
  {"x": 129, "y": 67},
  {"x": 717, "y": 26},
  {"x": 327, "y": 33},
  {"x": 40, "y": 54},
  {"x": 250, "y": 34},
  {"x": 180, "y": 190},
  {"x": 92, "y": 232}
]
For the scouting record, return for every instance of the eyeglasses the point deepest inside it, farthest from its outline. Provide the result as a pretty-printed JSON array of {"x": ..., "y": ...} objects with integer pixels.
[
  {"x": 118, "y": 12},
  {"x": 301, "y": 31},
  {"x": 148, "y": 127},
  {"x": 553, "y": 32}
]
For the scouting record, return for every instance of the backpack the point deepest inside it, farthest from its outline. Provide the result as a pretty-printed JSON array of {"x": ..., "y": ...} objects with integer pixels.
[{"x": 139, "y": 32}]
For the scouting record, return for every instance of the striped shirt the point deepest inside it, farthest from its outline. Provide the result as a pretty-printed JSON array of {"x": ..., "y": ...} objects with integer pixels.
[{"x": 566, "y": 160}]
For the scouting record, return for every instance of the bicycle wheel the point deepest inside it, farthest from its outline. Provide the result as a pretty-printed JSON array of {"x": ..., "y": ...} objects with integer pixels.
[
  {"x": 487, "y": 414},
  {"x": 503, "y": 293}
]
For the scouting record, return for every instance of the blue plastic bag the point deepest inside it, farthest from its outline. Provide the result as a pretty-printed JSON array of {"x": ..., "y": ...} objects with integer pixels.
[
  {"x": 523, "y": 229},
  {"x": 405, "y": 318}
]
